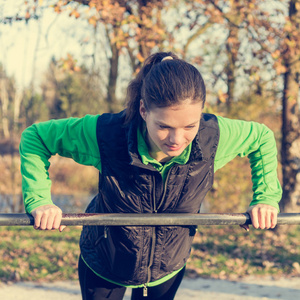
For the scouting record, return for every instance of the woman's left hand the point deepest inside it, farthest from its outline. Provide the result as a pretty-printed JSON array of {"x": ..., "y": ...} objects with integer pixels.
[{"x": 263, "y": 216}]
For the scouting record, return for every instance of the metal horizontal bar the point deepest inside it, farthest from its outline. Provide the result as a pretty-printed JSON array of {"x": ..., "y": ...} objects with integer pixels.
[{"x": 146, "y": 219}]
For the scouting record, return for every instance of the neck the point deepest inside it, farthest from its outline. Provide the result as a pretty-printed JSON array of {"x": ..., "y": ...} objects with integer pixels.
[
  {"x": 154, "y": 152},
  {"x": 160, "y": 156}
]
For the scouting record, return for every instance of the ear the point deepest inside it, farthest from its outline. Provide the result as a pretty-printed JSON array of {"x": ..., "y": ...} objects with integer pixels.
[{"x": 143, "y": 111}]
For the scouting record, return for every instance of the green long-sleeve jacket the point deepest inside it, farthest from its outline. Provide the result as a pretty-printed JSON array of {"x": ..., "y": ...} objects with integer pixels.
[{"x": 76, "y": 138}]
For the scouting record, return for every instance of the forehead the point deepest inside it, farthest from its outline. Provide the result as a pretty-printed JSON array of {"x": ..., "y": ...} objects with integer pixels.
[{"x": 178, "y": 115}]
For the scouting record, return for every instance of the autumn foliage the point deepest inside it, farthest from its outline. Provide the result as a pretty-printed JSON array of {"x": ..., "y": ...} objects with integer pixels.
[{"x": 248, "y": 52}]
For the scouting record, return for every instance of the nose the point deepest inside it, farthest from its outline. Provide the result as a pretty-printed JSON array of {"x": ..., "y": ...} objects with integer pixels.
[{"x": 176, "y": 137}]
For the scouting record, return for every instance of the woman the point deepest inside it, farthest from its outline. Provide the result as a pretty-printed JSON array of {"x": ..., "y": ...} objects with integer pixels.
[{"x": 157, "y": 156}]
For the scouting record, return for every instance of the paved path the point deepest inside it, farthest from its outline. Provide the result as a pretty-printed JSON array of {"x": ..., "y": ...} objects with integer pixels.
[{"x": 190, "y": 289}]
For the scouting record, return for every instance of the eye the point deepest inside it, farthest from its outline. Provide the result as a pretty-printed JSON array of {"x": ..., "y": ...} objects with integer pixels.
[
  {"x": 163, "y": 127},
  {"x": 190, "y": 127}
]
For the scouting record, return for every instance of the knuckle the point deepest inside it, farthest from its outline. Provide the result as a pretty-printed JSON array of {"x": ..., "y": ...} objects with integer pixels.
[
  {"x": 55, "y": 210},
  {"x": 263, "y": 209},
  {"x": 46, "y": 213},
  {"x": 51, "y": 211},
  {"x": 38, "y": 213}
]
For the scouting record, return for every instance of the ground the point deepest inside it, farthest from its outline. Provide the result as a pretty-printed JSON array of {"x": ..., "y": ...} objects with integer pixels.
[{"x": 250, "y": 288}]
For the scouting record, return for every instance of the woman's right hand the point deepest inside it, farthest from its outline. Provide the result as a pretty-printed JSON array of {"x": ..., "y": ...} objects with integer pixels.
[{"x": 47, "y": 217}]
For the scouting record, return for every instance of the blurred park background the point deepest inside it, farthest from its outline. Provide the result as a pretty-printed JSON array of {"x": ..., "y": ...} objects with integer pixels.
[
  {"x": 70, "y": 58},
  {"x": 63, "y": 59}
]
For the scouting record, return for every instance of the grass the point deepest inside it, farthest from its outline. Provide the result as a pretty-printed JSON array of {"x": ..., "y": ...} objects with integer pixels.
[
  {"x": 28, "y": 254},
  {"x": 231, "y": 253},
  {"x": 217, "y": 252}
]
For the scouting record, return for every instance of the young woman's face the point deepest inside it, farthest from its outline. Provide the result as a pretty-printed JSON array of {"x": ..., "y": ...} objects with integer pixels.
[{"x": 171, "y": 129}]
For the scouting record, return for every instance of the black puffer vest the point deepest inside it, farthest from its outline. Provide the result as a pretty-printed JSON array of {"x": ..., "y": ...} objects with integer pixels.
[{"x": 140, "y": 254}]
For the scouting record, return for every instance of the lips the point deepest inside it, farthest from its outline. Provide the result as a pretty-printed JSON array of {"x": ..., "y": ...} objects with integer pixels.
[{"x": 173, "y": 148}]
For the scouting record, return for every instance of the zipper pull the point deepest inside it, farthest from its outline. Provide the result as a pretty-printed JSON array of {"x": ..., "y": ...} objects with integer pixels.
[
  {"x": 145, "y": 290},
  {"x": 105, "y": 232}
]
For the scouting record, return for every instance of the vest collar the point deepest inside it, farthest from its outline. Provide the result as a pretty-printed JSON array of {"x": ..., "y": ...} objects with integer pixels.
[
  {"x": 196, "y": 152},
  {"x": 205, "y": 144},
  {"x": 133, "y": 146}
]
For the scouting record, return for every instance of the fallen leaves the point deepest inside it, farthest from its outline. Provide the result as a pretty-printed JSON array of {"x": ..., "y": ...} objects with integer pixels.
[
  {"x": 217, "y": 252},
  {"x": 229, "y": 253},
  {"x": 27, "y": 254}
]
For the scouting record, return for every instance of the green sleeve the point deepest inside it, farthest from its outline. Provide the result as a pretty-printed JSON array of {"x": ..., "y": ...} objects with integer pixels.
[
  {"x": 74, "y": 138},
  {"x": 241, "y": 138}
]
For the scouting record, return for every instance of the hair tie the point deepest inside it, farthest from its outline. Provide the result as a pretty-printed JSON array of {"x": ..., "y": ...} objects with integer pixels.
[{"x": 167, "y": 58}]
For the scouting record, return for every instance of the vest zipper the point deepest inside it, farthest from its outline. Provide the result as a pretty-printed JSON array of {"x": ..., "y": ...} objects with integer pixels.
[
  {"x": 165, "y": 189},
  {"x": 154, "y": 200},
  {"x": 155, "y": 209},
  {"x": 145, "y": 291},
  {"x": 105, "y": 232}
]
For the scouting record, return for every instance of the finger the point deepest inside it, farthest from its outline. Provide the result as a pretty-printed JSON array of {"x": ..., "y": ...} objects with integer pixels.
[
  {"x": 37, "y": 220},
  {"x": 57, "y": 220},
  {"x": 274, "y": 219},
  {"x": 50, "y": 221},
  {"x": 262, "y": 218},
  {"x": 268, "y": 219},
  {"x": 62, "y": 227},
  {"x": 254, "y": 218},
  {"x": 44, "y": 220},
  {"x": 245, "y": 226}
]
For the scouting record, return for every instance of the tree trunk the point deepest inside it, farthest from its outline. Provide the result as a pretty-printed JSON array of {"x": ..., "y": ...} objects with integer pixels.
[
  {"x": 18, "y": 98},
  {"x": 230, "y": 71},
  {"x": 232, "y": 46},
  {"x": 290, "y": 147},
  {"x": 111, "y": 98},
  {"x": 4, "y": 100}
]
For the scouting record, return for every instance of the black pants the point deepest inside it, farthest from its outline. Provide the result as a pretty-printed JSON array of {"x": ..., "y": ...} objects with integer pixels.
[{"x": 94, "y": 287}]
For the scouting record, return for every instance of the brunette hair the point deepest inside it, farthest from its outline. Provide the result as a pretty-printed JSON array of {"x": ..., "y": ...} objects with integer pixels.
[{"x": 162, "y": 83}]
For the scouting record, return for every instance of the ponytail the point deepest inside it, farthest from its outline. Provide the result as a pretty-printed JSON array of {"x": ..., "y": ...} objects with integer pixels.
[{"x": 134, "y": 89}]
